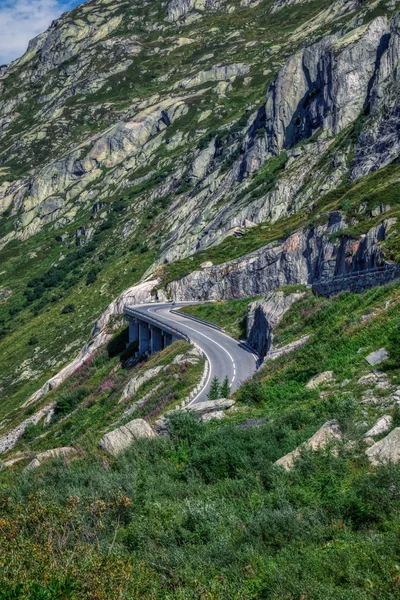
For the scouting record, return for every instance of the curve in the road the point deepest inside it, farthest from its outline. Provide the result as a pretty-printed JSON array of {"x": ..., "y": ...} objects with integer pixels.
[{"x": 226, "y": 357}]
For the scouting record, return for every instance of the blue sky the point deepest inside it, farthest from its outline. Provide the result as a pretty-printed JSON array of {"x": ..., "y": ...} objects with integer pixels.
[{"x": 21, "y": 20}]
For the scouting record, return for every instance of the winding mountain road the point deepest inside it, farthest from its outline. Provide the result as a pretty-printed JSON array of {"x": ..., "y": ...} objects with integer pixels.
[{"x": 226, "y": 356}]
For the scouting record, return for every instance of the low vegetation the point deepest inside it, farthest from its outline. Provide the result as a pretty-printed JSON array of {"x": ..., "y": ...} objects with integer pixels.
[
  {"x": 205, "y": 513},
  {"x": 231, "y": 315}
]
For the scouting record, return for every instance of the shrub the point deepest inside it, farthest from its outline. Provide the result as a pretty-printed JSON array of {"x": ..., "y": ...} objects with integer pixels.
[
  {"x": 185, "y": 426},
  {"x": 68, "y": 308},
  {"x": 67, "y": 402},
  {"x": 33, "y": 340}
]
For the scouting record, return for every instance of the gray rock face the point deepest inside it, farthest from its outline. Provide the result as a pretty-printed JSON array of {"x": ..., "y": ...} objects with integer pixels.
[
  {"x": 318, "y": 88},
  {"x": 386, "y": 450},
  {"x": 263, "y": 315},
  {"x": 120, "y": 439},
  {"x": 217, "y": 415},
  {"x": 202, "y": 162},
  {"x": 377, "y": 357},
  {"x": 379, "y": 145},
  {"x": 180, "y": 8},
  {"x": 328, "y": 433},
  {"x": 303, "y": 258}
]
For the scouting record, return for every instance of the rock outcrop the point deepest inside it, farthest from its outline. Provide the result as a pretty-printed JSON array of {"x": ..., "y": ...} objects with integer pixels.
[
  {"x": 120, "y": 439},
  {"x": 329, "y": 432},
  {"x": 305, "y": 257},
  {"x": 178, "y": 9},
  {"x": 50, "y": 454},
  {"x": 263, "y": 315},
  {"x": 8, "y": 441},
  {"x": 319, "y": 88}
]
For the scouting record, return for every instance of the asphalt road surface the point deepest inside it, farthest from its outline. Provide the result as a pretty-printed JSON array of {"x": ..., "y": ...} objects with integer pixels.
[{"x": 227, "y": 357}]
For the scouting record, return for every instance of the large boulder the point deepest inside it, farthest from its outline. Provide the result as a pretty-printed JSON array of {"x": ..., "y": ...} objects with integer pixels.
[
  {"x": 211, "y": 406},
  {"x": 386, "y": 450},
  {"x": 120, "y": 439},
  {"x": 329, "y": 432},
  {"x": 49, "y": 454}
]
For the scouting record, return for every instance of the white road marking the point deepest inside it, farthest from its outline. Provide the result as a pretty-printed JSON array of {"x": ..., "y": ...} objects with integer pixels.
[{"x": 209, "y": 361}]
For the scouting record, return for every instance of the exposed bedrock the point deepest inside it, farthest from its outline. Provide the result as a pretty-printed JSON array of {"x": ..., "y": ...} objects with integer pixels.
[
  {"x": 323, "y": 87},
  {"x": 263, "y": 315},
  {"x": 303, "y": 258}
]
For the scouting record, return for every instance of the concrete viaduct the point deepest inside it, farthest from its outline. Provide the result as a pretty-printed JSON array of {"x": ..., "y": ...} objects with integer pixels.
[{"x": 152, "y": 334}]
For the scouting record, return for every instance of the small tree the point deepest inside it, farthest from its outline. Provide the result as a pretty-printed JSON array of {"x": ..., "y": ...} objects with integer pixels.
[
  {"x": 215, "y": 389},
  {"x": 225, "y": 388}
]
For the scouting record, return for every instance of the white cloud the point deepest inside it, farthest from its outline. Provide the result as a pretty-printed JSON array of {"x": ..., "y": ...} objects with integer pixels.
[{"x": 22, "y": 20}]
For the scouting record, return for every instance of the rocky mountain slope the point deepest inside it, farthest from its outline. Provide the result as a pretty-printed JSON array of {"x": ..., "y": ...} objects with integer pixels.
[{"x": 146, "y": 139}]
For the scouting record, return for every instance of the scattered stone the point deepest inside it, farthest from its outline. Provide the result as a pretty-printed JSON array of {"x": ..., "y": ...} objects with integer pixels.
[
  {"x": 377, "y": 357},
  {"x": 120, "y": 439},
  {"x": 329, "y": 432},
  {"x": 386, "y": 450},
  {"x": 373, "y": 378},
  {"x": 381, "y": 426},
  {"x": 5, "y": 294},
  {"x": 369, "y": 398},
  {"x": 49, "y": 454},
  {"x": 320, "y": 379},
  {"x": 345, "y": 383},
  {"x": 207, "y": 264}
]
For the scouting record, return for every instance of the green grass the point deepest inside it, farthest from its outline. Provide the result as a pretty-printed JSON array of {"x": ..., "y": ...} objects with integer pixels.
[
  {"x": 88, "y": 403},
  {"x": 204, "y": 513},
  {"x": 342, "y": 337},
  {"x": 230, "y": 315}
]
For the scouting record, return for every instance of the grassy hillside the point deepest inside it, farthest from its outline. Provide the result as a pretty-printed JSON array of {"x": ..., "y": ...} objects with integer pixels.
[{"x": 205, "y": 513}]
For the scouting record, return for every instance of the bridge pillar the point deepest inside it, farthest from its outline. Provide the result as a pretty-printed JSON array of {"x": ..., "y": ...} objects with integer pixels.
[
  {"x": 156, "y": 342},
  {"x": 133, "y": 331},
  {"x": 144, "y": 337}
]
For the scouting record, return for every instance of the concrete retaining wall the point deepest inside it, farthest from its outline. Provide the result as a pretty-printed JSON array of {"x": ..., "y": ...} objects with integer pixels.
[{"x": 357, "y": 282}]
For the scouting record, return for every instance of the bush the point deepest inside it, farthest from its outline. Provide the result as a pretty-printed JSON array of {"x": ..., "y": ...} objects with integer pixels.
[
  {"x": 185, "y": 426},
  {"x": 67, "y": 402},
  {"x": 91, "y": 277},
  {"x": 69, "y": 308},
  {"x": 33, "y": 340}
]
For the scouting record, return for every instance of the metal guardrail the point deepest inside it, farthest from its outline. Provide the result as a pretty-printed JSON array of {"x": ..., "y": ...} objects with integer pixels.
[
  {"x": 131, "y": 312},
  {"x": 202, "y": 321},
  {"x": 381, "y": 269}
]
